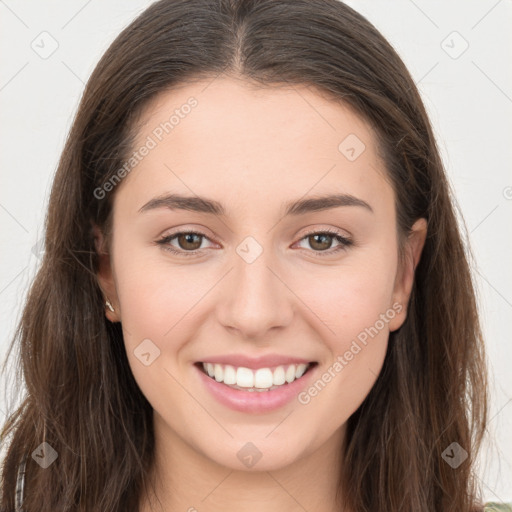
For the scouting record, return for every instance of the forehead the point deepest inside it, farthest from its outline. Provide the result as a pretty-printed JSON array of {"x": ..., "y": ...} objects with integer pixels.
[{"x": 228, "y": 139}]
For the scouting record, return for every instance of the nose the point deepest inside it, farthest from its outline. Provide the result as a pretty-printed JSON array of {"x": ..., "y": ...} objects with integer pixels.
[{"x": 255, "y": 298}]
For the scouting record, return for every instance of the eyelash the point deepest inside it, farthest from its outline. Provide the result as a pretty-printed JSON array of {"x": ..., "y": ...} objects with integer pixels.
[{"x": 344, "y": 242}]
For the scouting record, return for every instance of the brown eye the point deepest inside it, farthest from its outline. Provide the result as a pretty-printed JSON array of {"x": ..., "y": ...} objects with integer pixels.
[
  {"x": 321, "y": 241},
  {"x": 189, "y": 241}
]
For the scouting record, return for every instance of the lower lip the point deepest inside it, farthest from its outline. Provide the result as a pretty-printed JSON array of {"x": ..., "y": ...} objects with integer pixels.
[{"x": 255, "y": 401}]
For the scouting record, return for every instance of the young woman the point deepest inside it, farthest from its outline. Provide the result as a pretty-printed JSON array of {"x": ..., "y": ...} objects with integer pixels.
[{"x": 254, "y": 293}]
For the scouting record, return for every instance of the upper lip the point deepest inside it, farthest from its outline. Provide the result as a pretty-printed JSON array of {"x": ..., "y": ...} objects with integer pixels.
[{"x": 267, "y": 361}]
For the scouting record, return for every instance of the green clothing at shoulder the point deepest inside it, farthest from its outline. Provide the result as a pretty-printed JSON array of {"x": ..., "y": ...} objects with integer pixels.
[{"x": 497, "y": 507}]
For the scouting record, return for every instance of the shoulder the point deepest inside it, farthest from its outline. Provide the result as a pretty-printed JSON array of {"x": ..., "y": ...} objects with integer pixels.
[{"x": 492, "y": 506}]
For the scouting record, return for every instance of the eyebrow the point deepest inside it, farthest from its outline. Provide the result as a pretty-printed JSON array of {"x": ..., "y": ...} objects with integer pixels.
[{"x": 210, "y": 206}]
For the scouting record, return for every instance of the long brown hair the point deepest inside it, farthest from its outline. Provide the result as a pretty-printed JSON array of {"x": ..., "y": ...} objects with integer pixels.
[{"x": 81, "y": 396}]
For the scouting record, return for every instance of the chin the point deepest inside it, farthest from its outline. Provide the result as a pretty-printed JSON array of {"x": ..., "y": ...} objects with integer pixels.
[{"x": 258, "y": 454}]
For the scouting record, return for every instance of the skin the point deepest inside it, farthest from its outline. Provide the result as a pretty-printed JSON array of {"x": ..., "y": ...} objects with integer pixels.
[{"x": 253, "y": 149}]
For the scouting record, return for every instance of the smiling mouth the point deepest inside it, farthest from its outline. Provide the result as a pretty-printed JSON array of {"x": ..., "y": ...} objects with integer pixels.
[{"x": 260, "y": 380}]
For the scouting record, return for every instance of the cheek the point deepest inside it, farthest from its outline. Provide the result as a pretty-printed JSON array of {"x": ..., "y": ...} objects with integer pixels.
[
  {"x": 153, "y": 298},
  {"x": 355, "y": 309},
  {"x": 155, "y": 294},
  {"x": 352, "y": 297},
  {"x": 157, "y": 308}
]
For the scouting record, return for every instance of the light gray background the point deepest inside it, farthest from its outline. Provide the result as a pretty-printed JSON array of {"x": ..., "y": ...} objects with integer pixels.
[{"x": 468, "y": 93}]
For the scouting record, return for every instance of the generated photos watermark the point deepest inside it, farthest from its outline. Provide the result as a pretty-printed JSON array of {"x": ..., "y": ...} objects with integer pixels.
[
  {"x": 151, "y": 142},
  {"x": 344, "y": 359}
]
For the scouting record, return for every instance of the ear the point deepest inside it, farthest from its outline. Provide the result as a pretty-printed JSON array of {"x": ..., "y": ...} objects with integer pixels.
[
  {"x": 105, "y": 275},
  {"x": 405, "y": 274}
]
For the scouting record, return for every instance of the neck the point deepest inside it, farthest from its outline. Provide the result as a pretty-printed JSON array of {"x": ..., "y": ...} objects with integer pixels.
[{"x": 184, "y": 479}]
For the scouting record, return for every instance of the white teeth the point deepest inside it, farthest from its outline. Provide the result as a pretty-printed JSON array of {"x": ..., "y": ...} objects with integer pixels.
[
  {"x": 229, "y": 375},
  {"x": 244, "y": 377},
  {"x": 301, "y": 368},
  {"x": 279, "y": 376},
  {"x": 219, "y": 373},
  {"x": 263, "y": 379},
  {"x": 290, "y": 373}
]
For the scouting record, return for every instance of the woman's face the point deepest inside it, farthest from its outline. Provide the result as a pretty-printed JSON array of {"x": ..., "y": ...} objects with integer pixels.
[{"x": 261, "y": 290}]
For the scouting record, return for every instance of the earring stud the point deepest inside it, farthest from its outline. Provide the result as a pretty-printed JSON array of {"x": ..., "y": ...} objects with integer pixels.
[{"x": 109, "y": 305}]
